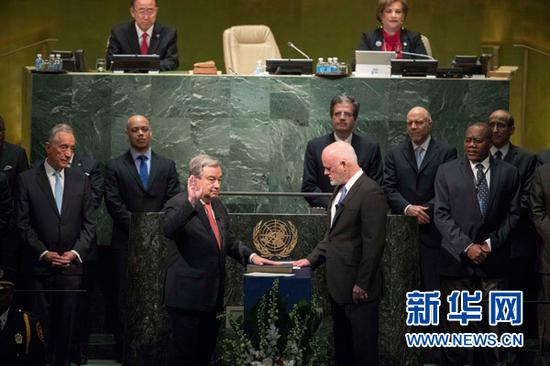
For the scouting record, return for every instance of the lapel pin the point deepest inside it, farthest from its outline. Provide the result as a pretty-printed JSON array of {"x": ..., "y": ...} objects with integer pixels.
[{"x": 378, "y": 44}]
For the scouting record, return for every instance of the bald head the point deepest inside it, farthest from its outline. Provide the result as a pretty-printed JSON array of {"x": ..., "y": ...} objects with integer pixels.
[
  {"x": 419, "y": 125},
  {"x": 340, "y": 162},
  {"x": 139, "y": 133}
]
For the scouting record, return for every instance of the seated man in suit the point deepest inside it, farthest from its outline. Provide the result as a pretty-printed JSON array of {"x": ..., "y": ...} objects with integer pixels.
[
  {"x": 139, "y": 180},
  {"x": 476, "y": 208},
  {"x": 352, "y": 250},
  {"x": 409, "y": 174},
  {"x": 343, "y": 112},
  {"x": 55, "y": 219},
  {"x": 199, "y": 224},
  {"x": 144, "y": 36}
]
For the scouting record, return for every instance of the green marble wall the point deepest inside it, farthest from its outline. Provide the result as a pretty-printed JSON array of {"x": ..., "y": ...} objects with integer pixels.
[{"x": 257, "y": 126}]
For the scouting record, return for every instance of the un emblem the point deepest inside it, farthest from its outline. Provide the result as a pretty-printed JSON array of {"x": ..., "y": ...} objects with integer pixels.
[{"x": 275, "y": 238}]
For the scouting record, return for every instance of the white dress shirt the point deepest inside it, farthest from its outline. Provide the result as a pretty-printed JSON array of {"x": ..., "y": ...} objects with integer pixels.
[{"x": 140, "y": 33}]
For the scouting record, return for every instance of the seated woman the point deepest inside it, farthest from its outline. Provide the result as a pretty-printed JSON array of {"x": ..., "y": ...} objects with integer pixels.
[{"x": 391, "y": 36}]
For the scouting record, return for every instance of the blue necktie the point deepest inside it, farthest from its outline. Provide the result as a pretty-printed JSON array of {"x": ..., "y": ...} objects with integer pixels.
[
  {"x": 143, "y": 173},
  {"x": 343, "y": 193},
  {"x": 58, "y": 191},
  {"x": 482, "y": 190},
  {"x": 418, "y": 154}
]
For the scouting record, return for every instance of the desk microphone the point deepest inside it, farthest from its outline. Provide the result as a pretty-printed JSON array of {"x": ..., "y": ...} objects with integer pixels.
[
  {"x": 291, "y": 45},
  {"x": 416, "y": 55}
]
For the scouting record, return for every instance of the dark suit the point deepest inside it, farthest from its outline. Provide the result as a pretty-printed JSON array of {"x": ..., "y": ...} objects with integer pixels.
[
  {"x": 352, "y": 250},
  {"x": 373, "y": 41},
  {"x": 540, "y": 203},
  {"x": 7, "y": 247},
  {"x": 124, "y": 194},
  {"x": 13, "y": 160},
  {"x": 42, "y": 228},
  {"x": 314, "y": 179},
  {"x": 460, "y": 222},
  {"x": 193, "y": 291},
  {"x": 544, "y": 157},
  {"x": 523, "y": 238},
  {"x": 164, "y": 42},
  {"x": 406, "y": 184}
]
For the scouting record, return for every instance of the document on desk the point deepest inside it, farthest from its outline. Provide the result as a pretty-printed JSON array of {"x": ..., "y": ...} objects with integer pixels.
[{"x": 265, "y": 274}]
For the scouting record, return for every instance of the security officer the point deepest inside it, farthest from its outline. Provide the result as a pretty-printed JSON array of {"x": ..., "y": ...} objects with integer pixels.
[{"x": 21, "y": 337}]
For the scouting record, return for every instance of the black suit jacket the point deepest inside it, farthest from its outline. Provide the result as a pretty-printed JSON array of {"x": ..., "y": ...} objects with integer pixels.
[
  {"x": 314, "y": 179},
  {"x": 42, "y": 228},
  {"x": 373, "y": 41},
  {"x": 124, "y": 192},
  {"x": 164, "y": 42},
  {"x": 540, "y": 203},
  {"x": 523, "y": 237},
  {"x": 352, "y": 247},
  {"x": 459, "y": 219},
  {"x": 13, "y": 160},
  {"x": 195, "y": 275},
  {"x": 405, "y": 184}
]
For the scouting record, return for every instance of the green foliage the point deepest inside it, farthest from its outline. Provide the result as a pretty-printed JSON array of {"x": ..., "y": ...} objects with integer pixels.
[{"x": 276, "y": 337}]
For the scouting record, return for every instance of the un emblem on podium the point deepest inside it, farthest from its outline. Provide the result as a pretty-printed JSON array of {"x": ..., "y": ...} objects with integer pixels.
[{"x": 275, "y": 238}]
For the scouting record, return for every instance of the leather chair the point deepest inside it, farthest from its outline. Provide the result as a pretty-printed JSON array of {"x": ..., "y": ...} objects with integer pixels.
[
  {"x": 244, "y": 45},
  {"x": 427, "y": 45}
]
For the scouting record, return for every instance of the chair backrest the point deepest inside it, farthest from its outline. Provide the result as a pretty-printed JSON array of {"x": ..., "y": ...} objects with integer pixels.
[
  {"x": 427, "y": 45},
  {"x": 244, "y": 45}
]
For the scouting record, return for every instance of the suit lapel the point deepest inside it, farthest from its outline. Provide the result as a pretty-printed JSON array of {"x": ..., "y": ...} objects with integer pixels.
[
  {"x": 153, "y": 171},
  {"x": 494, "y": 171},
  {"x": 218, "y": 213},
  {"x": 408, "y": 153},
  {"x": 349, "y": 196},
  {"x": 67, "y": 186},
  {"x": 509, "y": 158},
  {"x": 155, "y": 40},
  {"x": 46, "y": 188},
  {"x": 131, "y": 166},
  {"x": 133, "y": 40},
  {"x": 429, "y": 155}
]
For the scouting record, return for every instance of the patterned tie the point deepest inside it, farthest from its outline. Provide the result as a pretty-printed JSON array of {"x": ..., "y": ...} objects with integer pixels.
[
  {"x": 498, "y": 155},
  {"x": 144, "y": 47},
  {"x": 143, "y": 173},
  {"x": 482, "y": 190},
  {"x": 213, "y": 224},
  {"x": 58, "y": 191},
  {"x": 418, "y": 155}
]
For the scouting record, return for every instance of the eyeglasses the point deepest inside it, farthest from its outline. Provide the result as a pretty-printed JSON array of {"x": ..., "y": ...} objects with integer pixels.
[
  {"x": 419, "y": 123},
  {"x": 499, "y": 125},
  {"x": 145, "y": 11}
]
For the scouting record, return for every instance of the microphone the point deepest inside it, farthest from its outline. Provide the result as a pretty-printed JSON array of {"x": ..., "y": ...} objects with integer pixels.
[
  {"x": 291, "y": 45},
  {"x": 416, "y": 54}
]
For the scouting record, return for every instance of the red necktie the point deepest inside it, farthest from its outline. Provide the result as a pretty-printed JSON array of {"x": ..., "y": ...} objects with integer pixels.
[
  {"x": 144, "y": 48},
  {"x": 213, "y": 224}
]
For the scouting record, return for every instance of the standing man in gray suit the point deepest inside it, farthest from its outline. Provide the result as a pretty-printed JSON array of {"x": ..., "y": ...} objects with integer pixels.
[
  {"x": 540, "y": 205},
  {"x": 352, "y": 250}
]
